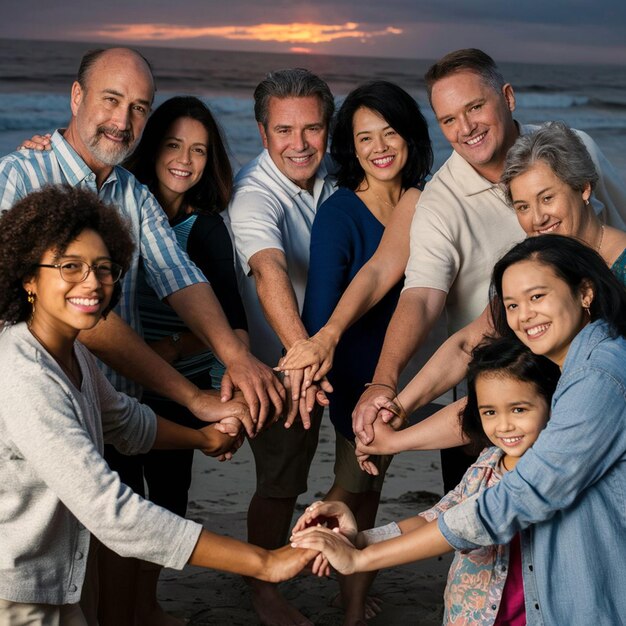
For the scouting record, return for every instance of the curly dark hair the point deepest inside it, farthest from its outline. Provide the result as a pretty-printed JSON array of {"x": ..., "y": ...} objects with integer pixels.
[
  {"x": 212, "y": 192},
  {"x": 506, "y": 357},
  {"x": 51, "y": 219},
  {"x": 402, "y": 113}
]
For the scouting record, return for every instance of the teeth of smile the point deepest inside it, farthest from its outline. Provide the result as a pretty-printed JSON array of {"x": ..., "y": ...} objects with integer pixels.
[
  {"x": 548, "y": 229},
  {"x": 475, "y": 140},
  {"x": 180, "y": 173},
  {"x": 85, "y": 301},
  {"x": 535, "y": 330},
  {"x": 303, "y": 159},
  {"x": 511, "y": 439},
  {"x": 383, "y": 160}
]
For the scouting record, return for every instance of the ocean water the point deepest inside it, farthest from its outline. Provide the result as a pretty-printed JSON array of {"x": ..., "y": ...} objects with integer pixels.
[{"x": 35, "y": 78}]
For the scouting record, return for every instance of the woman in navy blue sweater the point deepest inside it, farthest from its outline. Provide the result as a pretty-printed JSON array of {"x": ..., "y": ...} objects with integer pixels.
[{"x": 383, "y": 150}]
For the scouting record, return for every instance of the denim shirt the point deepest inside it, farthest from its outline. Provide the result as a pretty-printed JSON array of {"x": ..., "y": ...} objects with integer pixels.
[{"x": 571, "y": 487}]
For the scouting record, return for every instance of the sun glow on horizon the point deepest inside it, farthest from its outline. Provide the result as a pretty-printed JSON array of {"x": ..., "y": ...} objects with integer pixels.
[{"x": 293, "y": 33}]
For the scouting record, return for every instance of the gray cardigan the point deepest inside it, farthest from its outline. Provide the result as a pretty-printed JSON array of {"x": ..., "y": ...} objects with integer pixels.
[{"x": 55, "y": 487}]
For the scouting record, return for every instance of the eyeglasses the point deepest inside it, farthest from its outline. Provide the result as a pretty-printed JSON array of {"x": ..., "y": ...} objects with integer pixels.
[{"x": 77, "y": 271}]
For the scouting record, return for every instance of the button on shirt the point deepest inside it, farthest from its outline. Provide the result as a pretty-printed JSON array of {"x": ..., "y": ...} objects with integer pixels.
[
  {"x": 168, "y": 268},
  {"x": 268, "y": 210},
  {"x": 570, "y": 489}
]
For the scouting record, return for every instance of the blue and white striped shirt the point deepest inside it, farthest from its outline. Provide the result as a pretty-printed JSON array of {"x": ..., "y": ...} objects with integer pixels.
[{"x": 168, "y": 268}]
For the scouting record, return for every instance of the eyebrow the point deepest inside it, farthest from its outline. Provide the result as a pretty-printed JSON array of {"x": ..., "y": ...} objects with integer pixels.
[
  {"x": 527, "y": 291},
  {"x": 368, "y": 132},
  {"x": 80, "y": 258},
  {"x": 114, "y": 92},
  {"x": 512, "y": 403},
  {"x": 539, "y": 193},
  {"x": 196, "y": 143},
  {"x": 465, "y": 106}
]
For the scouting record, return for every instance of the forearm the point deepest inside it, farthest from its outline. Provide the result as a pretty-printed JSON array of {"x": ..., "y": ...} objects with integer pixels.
[
  {"x": 439, "y": 431},
  {"x": 423, "y": 542},
  {"x": 415, "y": 315},
  {"x": 201, "y": 311},
  {"x": 172, "y": 436},
  {"x": 115, "y": 343}
]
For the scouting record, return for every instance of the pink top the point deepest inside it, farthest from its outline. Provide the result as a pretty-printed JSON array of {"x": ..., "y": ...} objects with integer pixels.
[{"x": 512, "y": 611}]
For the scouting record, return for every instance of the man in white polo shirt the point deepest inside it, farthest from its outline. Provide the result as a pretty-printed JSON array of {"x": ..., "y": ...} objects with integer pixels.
[{"x": 274, "y": 203}]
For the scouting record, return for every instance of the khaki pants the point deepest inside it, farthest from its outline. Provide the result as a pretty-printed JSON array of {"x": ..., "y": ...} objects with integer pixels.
[{"x": 21, "y": 613}]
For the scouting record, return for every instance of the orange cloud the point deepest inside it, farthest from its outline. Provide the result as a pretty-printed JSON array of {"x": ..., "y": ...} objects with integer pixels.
[{"x": 296, "y": 32}]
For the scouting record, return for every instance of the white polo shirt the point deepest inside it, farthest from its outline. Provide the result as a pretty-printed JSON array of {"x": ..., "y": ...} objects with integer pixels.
[
  {"x": 268, "y": 210},
  {"x": 463, "y": 225}
]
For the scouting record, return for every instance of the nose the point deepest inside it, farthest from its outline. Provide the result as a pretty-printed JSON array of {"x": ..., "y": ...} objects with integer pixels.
[
  {"x": 539, "y": 217},
  {"x": 121, "y": 118},
  {"x": 379, "y": 144},
  {"x": 504, "y": 423},
  {"x": 525, "y": 311},
  {"x": 466, "y": 125},
  {"x": 299, "y": 141},
  {"x": 184, "y": 156},
  {"x": 91, "y": 280}
]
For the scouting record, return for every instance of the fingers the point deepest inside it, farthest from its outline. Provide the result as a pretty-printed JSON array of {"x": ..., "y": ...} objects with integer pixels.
[
  {"x": 366, "y": 412},
  {"x": 226, "y": 388},
  {"x": 325, "y": 385}
]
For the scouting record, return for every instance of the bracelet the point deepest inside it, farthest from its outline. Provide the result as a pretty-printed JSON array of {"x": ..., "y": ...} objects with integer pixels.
[{"x": 381, "y": 385}]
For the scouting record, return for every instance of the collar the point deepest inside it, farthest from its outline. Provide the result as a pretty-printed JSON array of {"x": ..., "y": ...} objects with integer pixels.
[
  {"x": 585, "y": 342},
  {"x": 74, "y": 168}
]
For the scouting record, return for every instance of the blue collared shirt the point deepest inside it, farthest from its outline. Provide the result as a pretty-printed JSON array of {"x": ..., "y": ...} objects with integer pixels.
[
  {"x": 571, "y": 487},
  {"x": 168, "y": 268}
]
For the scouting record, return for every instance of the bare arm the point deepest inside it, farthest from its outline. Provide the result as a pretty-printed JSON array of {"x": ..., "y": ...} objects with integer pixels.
[
  {"x": 199, "y": 308},
  {"x": 121, "y": 348},
  {"x": 448, "y": 366},
  {"x": 280, "y": 307},
  {"x": 230, "y": 555},
  {"x": 415, "y": 315},
  {"x": 367, "y": 288}
]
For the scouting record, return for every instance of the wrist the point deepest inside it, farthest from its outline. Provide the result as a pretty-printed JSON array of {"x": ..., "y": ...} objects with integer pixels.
[{"x": 329, "y": 334}]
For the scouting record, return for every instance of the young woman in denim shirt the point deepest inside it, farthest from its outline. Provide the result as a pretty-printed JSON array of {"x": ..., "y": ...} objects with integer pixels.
[{"x": 567, "y": 494}]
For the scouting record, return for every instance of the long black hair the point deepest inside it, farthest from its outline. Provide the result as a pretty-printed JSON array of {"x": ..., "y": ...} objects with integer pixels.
[
  {"x": 402, "y": 113},
  {"x": 574, "y": 263},
  {"x": 506, "y": 357},
  {"x": 212, "y": 192}
]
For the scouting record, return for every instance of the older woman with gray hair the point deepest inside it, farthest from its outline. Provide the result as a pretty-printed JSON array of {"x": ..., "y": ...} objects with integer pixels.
[{"x": 548, "y": 179}]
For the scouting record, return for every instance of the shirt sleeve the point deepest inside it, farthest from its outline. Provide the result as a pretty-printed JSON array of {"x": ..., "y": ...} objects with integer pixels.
[
  {"x": 210, "y": 247},
  {"x": 434, "y": 258},
  {"x": 51, "y": 435},
  {"x": 329, "y": 264},
  {"x": 12, "y": 186},
  {"x": 585, "y": 435},
  {"x": 168, "y": 268},
  {"x": 256, "y": 219}
]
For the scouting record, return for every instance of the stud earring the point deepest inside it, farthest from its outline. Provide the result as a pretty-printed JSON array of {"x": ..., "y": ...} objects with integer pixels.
[{"x": 31, "y": 298}]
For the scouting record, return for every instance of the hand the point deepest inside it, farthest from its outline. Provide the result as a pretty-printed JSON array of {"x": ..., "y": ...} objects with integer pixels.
[
  {"x": 341, "y": 554},
  {"x": 366, "y": 411},
  {"x": 285, "y": 563},
  {"x": 386, "y": 441},
  {"x": 37, "y": 142},
  {"x": 220, "y": 444},
  {"x": 306, "y": 403},
  {"x": 316, "y": 354},
  {"x": 207, "y": 407},
  {"x": 331, "y": 514},
  {"x": 263, "y": 392}
]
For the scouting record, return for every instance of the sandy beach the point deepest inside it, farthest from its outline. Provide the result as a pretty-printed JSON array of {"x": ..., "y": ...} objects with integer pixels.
[{"x": 219, "y": 498}]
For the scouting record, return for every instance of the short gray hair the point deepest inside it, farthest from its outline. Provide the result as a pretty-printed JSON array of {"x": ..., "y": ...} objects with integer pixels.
[
  {"x": 559, "y": 147},
  {"x": 291, "y": 83}
]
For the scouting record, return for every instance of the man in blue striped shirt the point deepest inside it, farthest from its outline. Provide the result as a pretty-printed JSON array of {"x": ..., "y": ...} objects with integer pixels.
[{"x": 110, "y": 103}]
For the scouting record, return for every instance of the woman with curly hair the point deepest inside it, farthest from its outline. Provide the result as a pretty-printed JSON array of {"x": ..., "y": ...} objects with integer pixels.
[{"x": 62, "y": 255}]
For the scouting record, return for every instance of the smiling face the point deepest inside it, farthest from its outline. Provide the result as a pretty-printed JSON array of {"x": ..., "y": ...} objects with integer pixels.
[
  {"x": 111, "y": 110},
  {"x": 63, "y": 309},
  {"x": 544, "y": 204},
  {"x": 381, "y": 151},
  {"x": 542, "y": 310},
  {"x": 476, "y": 120},
  {"x": 182, "y": 157},
  {"x": 295, "y": 137},
  {"x": 513, "y": 413}
]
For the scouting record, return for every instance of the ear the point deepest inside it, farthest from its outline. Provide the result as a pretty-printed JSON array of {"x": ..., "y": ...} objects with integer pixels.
[
  {"x": 586, "y": 293},
  {"x": 263, "y": 134},
  {"x": 509, "y": 96},
  {"x": 586, "y": 192},
  {"x": 76, "y": 97},
  {"x": 30, "y": 284}
]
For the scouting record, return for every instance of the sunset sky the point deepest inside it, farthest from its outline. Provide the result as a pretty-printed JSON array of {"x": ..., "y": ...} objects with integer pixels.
[{"x": 570, "y": 31}]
